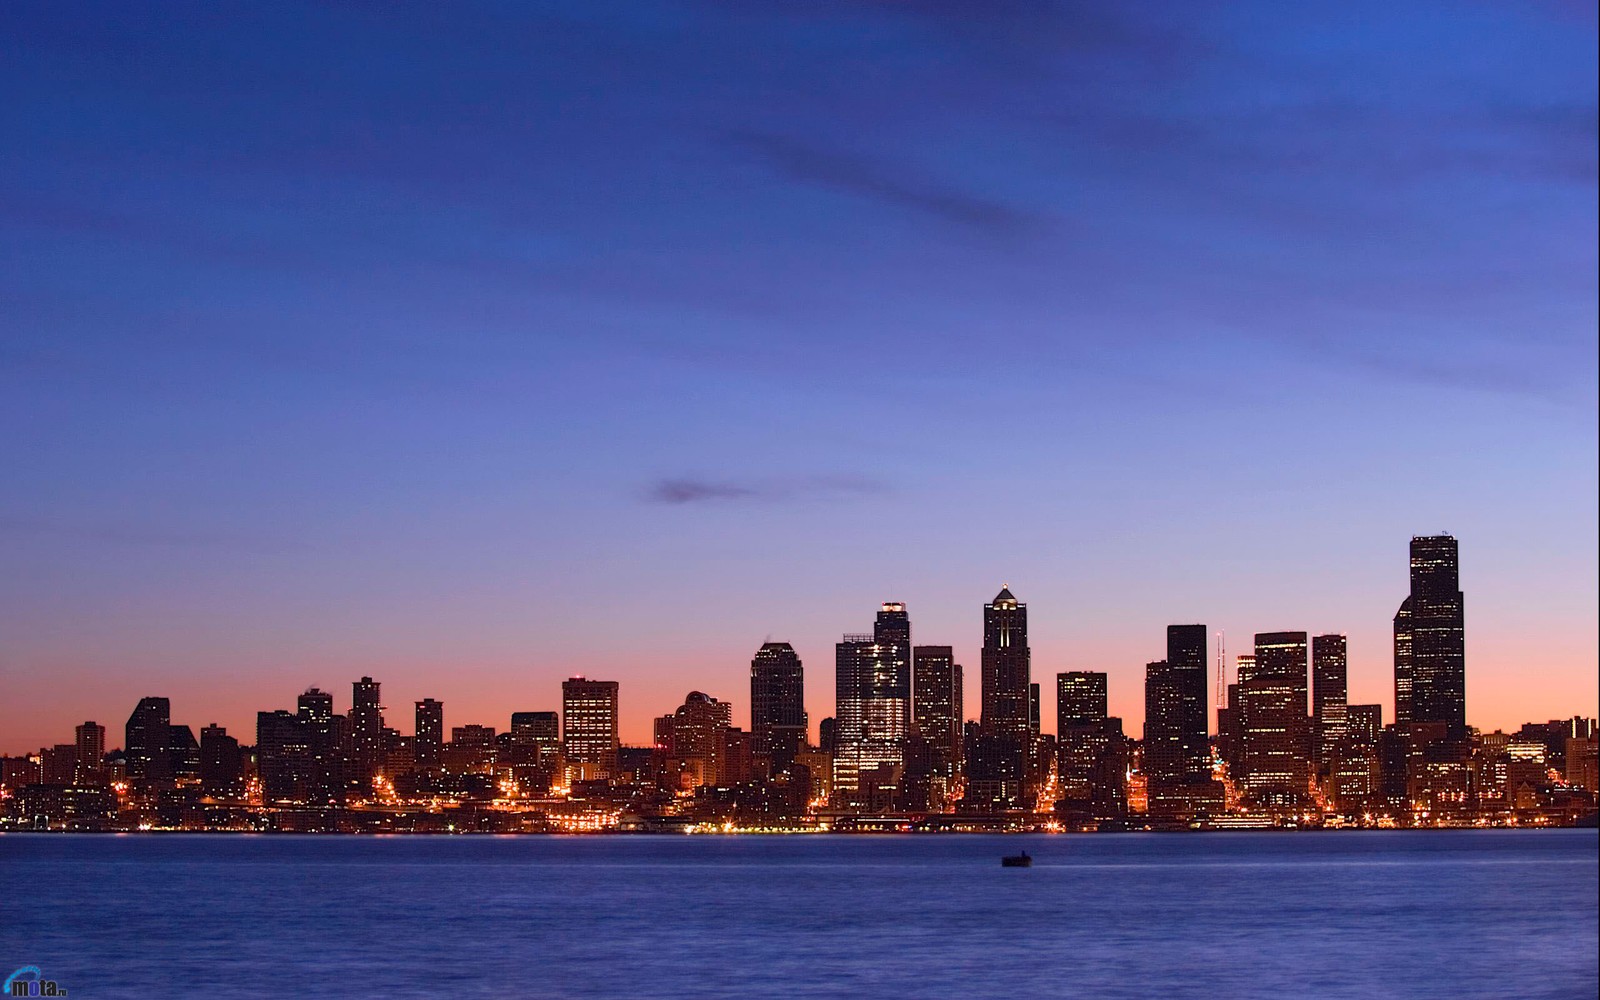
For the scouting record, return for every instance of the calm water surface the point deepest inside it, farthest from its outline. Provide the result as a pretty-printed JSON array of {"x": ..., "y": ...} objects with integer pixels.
[{"x": 1401, "y": 914}]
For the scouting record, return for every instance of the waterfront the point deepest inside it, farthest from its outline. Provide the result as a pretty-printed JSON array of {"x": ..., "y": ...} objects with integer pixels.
[{"x": 1410, "y": 914}]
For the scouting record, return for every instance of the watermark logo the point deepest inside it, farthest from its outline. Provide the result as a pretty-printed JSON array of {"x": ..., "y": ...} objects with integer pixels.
[{"x": 29, "y": 981}]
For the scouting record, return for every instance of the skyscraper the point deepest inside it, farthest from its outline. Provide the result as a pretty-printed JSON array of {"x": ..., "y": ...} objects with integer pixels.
[
  {"x": 1438, "y": 659},
  {"x": 892, "y": 634},
  {"x": 366, "y": 733},
  {"x": 1089, "y": 750},
  {"x": 91, "y": 749},
  {"x": 589, "y": 725},
  {"x": 691, "y": 740},
  {"x": 429, "y": 741},
  {"x": 1186, "y": 665},
  {"x": 221, "y": 763},
  {"x": 1006, "y": 667},
  {"x": 1328, "y": 697},
  {"x": 778, "y": 724},
  {"x": 933, "y": 759},
  {"x": 147, "y": 738},
  {"x": 1273, "y": 724},
  {"x": 870, "y": 727},
  {"x": 1176, "y": 750},
  {"x": 937, "y": 700},
  {"x": 1402, "y": 662},
  {"x": 998, "y": 773}
]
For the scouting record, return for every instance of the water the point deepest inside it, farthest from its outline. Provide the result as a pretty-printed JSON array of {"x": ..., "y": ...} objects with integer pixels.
[{"x": 1447, "y": 914}]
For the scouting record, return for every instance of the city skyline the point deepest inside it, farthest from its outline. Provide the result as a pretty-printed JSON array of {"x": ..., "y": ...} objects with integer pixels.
[{"x": 1196, "y": 645}]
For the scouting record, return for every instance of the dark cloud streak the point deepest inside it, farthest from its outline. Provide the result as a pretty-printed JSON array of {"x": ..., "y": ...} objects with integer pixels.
[
  {"x": 682, "y": 490},
  {"x": 896, "y": 186}
]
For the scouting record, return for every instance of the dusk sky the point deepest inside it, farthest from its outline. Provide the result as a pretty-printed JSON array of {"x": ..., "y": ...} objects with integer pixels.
[{"x": 472, "y": 347}]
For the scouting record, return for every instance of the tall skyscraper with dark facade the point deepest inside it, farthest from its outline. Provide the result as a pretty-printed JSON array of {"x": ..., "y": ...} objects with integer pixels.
[
  {"x": 997, "y": 762},
  {"x": 778, "y": 725},
  {"x": 366, "y": 733},
  {"x": 589, "y": 725},
  {"x": 89, "y": 755},
  {"x": 892, "y": 634},
  {"x": 1437, "y": 621},
  {"x": 429, "y": 742},
  {"x": 221, "y": 763},
  {"x": 1328, "y": 697},
  {"x": 937, "y": 700},
  {"x": 1090, "y": 756},
  {"x": 1176, "y": 749},
  {"x": 147, "y": 739},
  {"x": 1006, "y": 667},
  {"x": 1273, "y": 725},
  {"x": 1402, "y": 662}
]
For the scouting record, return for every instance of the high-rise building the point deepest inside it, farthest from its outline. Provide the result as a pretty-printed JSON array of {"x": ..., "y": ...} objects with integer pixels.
[
  {"x": 892, "y": 635},
  {"x": 366, "y": 732},
  {"x": 1176, "y": 750},
  {"x": 1090, "y": 756},
  {"x": 429, "y": 742},
  {"x": 1354, "y": 764},
  {"x": 1274, "y": 729},
  {"x": 937, "y": 701},
  {"x": 692, "y": 739},
  {"x": 147, "y": 741},
  {"x": 1402, "y": 662},
  {"x": 90, "y": 753},
  {"x": 933, "y": 754},
  {"x": 543, "y": 729},
  {"x": 1186, "y": 667},
  {"x": 1438, "y": 659},
  {"x": 869, "y": 729},
  {"x": 1328, "y": 697},
  {"x": 1006, "y": 667},
  {"x": 589, "y": 725},
  {"x": 998, "y": 773},
  {"x": 778, "y": 723},
  {"x": 221, "y": 763}
]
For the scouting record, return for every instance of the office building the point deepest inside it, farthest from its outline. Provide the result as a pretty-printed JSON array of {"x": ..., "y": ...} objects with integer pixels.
[
  {"x": 589, "y": 726},
  {"x": 778, "y": 723}
]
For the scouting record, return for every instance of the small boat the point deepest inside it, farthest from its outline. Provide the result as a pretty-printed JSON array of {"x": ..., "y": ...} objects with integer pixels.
[{"x": 1016, "y": 861}]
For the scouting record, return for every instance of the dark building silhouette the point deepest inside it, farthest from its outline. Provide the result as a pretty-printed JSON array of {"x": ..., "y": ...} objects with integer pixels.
[
  {"x": 934, "y": 748},
  {"x": 1274, "y": 729},
  {"x": 366, "y": 732},
  {"x": 542, "y": 728},
  {"x": 937, "y": 703},
  {"x": 691, "y": 742},
  {"x": 778, "y": 725},
  {"x": 89, "y": 754},
  {"x": 1090, "y": 753},
  {"x": 589, "y": 726},
  {"x": 997, "y": 762},
  {"x": 428, "y": 744},
  {"x": 184, "y": 751},
  {"x": 828, "y": 736},
  {"x": 1438, "y": 658},
  {"x": 1186, "y": 667},
  {"x": 1402, "y": 663},
  {"x": 221, "y": 763},
  {"x": 1329, "y": 669},
  {"x": 147, "y": 739}
]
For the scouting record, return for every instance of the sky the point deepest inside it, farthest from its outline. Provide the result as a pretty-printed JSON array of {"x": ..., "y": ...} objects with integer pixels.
[{"x": 475, "y": 346}]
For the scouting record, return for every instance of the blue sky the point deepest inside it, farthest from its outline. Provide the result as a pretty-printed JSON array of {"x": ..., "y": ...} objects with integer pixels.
[{"x": 474, "y": 347}]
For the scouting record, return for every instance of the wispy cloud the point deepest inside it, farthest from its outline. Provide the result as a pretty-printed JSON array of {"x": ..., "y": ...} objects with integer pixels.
[
  {"x": 898, "y": 186},
  {"x": 690, "y": 489}
]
